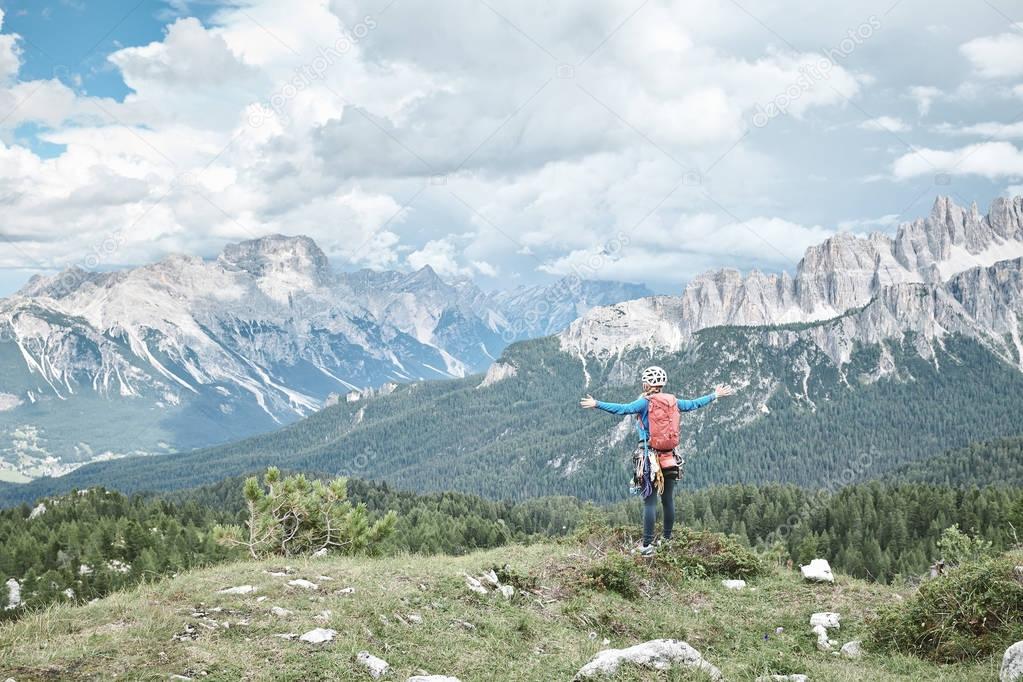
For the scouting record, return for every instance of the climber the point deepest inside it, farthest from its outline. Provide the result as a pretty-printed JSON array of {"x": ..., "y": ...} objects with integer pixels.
[{"x": 657, "y": 463}]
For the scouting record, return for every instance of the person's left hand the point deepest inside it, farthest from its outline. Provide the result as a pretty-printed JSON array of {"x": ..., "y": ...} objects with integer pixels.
[
  {"x": 588, "y": 402},
  {"x": 723, "y": 391}
]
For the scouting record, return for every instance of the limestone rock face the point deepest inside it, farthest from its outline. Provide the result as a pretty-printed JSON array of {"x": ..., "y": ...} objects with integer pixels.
[{"x": 945, "y": 258}]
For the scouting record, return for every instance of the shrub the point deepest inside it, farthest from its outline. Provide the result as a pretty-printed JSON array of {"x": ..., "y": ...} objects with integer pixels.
[
  {"x": 615, "y": 573},
  {"x": 697, "y": 554},
  {"x": 294, "y": 515},
  {"x": 957, "y": 547},
  {"x": 971, "y": 610}
]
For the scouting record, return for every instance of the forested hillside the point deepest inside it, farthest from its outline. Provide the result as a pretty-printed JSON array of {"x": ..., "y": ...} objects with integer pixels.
[
  {"x": 524, "y": 436},
  {"x": 995, "y": 462}
]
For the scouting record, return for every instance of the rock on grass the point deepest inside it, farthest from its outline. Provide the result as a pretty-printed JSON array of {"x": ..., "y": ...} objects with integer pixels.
[{"x": 657, "y": 654}]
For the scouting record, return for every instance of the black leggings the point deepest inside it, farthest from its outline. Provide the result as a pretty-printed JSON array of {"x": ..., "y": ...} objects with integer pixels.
[{"x": 650, "y": 511}]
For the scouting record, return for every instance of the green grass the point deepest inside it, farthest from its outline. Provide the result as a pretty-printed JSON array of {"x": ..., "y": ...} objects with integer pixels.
[{"x": 543, "y": 635}]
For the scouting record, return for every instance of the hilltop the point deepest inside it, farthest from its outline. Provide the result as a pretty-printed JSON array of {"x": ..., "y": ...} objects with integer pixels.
[{"x": 419, "y": 615}]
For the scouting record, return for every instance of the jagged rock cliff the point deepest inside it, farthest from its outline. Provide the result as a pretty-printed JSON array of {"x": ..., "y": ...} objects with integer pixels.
[{"x": 841, "y": 275}]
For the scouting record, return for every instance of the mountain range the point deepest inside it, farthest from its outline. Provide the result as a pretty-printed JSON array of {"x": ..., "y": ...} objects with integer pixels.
[
  {"x": 879, "y": 352},
  {"x": 188, "y": 352}
]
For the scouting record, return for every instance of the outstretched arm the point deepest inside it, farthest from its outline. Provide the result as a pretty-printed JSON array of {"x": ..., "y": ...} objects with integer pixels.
[
  {"x": 720, "y": 391},
  {"x": 635, "y": 407}
]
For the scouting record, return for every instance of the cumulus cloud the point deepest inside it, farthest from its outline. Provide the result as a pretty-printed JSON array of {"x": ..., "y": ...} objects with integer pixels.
[
  {"x": 512, "y": 138},
  {"x": 998, "y": 56},
  {"x": 988, "y": 159}
]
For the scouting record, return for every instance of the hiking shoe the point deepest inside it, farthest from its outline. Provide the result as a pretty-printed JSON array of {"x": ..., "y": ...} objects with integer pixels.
[{"x": 648, "y": 550}]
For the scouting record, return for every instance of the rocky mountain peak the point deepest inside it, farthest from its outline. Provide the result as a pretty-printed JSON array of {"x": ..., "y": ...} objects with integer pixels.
[
  {"x": 844, "y": 272},
  {"x": 277, "y": 255}
]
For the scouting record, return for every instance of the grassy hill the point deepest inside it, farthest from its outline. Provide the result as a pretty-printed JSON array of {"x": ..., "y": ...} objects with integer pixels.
[{"x": 417, "y": 613}]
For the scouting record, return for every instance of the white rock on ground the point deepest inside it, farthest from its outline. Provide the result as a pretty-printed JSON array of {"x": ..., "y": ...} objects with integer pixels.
[
  {"x": 820, "y": 623},
  {"x": 13, "y": 594},
  {"x": 37, "y": 511},
  {"x": 657, "y": 654},
  {"x": 783, "y": 678},
  {"x": 280, "y": 612},
  {"x": 734, "y": 584},
  {"x": 377, "y": 667},
  {"x": 507, "y": 591},
  {"x": 432, "y": 678},
  {"x": 828, "y": 619},
  {"x": 475, "y": 585},
  {"x": 818, "y": 570},
  {"x": 1012, "y": 664},
  {"x": 491, "y": 577},
  {"x": 321, "y": 552},
  {"x": 853, "y": 649},
  {"x": 241, "y": 589},
  {"x": 305, "y": 584},
  {"x": 319, "y": 636}
]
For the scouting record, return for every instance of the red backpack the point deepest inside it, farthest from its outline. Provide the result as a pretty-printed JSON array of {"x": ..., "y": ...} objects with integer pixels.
[{"x": 663, "y": 414}]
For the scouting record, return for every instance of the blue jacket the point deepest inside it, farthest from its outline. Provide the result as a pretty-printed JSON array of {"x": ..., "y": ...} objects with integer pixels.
[{"x": 640, "y": 406}]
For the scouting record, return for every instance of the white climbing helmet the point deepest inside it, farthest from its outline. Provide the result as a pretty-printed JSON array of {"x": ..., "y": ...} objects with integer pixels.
[{"x": 655, "y": 376}]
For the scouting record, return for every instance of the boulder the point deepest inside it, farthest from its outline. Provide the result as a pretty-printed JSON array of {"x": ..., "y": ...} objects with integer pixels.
[
  {"x": 491, "y": 578},
  {"x": 304, "y": 584},
  {"x": 475, "y": 585},
  {"x": 829, "y": 619},
  {"x": 657, "y": 654},
  {"x": 376, "y": 667},
  {"x": 279, "y": 612},
  {"x": 734, "y": 584},
  {"x": 241, "y": 589},
  {"x": 319, "y": 636},
  {"x": 853, "y": 649},
  {"x": 818, "y": 571},
  {"x": 507, "y": 591},
  {"x": 13, "y": 594},
  {"x": 820, "y": 623},
  {"x": 1012, "y": 664}
]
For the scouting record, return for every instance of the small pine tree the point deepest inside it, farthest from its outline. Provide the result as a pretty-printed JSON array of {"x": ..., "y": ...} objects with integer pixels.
[{"x": 293, "y": 515}]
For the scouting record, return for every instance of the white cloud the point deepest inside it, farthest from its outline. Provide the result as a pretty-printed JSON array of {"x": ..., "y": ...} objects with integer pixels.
[
  {"x": 988, "y": 159},
  {"x": 888, "y": 124},
  {"x": 885, "y": 222},
  {"x": 924, "y": 95},
  {"x": 441, "y": 255},
  {"x": 312, "y": 117},
  {"x": 999, "y": 56},
  {"x": 990, "y": 129},
  {"x": 692, "y": 245}
]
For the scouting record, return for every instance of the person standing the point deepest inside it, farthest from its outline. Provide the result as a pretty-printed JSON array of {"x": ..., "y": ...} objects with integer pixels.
[{"x": 657, "y": 463}]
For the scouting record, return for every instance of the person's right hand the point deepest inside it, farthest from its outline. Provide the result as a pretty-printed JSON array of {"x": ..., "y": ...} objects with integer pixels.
[{"x": 588, "y": 402}]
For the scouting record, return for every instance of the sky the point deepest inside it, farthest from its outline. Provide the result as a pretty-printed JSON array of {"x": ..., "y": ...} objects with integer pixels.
[{"x": 508, "y": 142}]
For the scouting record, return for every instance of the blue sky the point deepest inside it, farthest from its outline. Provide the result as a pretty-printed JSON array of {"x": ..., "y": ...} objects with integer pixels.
[
  {"x": 71, "y": 39},
  {"x": 509, "y": 142}
]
